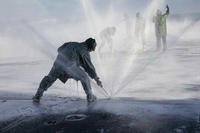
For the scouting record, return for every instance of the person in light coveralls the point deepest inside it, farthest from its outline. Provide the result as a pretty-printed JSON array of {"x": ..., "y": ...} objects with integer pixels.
[{"x": 161, "y": 28}]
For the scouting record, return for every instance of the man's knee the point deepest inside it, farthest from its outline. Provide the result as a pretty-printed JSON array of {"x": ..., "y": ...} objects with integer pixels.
[
  {"x": 84, "y": 78},
  {"x": 46, "y": 82},
  {"x": 164, "y": 39},
  {"x": 86, "y": 86}
]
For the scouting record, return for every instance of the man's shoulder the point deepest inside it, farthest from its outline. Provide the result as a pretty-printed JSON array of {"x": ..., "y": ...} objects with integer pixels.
[
  {"x": 71, "y": 43},
  {"x": 67, "y": 44}
]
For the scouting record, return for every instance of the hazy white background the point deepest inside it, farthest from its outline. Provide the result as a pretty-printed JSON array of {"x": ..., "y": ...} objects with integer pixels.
[{"x": 31, "y": 31}]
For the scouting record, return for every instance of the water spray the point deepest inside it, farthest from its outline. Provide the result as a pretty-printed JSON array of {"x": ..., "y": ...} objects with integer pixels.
[
  {"x": 77, "y": 88},
  {"x": 109, "y": 97}
]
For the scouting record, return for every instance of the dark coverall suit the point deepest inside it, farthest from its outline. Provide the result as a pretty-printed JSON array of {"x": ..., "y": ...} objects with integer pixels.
[{"x": 70, "y": 57}]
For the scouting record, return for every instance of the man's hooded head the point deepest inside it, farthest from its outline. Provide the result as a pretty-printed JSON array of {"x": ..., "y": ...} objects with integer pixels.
[
  {"x": 91, "y": 44},
  {"x": 137, "y": 14}
]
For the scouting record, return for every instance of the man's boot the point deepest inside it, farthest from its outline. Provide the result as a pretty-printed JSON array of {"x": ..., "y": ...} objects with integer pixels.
[
  {"x": 91, "y": 98},
  {"x": 38, "y": 95}
]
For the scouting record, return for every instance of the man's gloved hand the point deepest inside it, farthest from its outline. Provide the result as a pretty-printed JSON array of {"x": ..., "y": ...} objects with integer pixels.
[
  {"x": 99, "y": 83},
  {"x": 167, "y": 7}
]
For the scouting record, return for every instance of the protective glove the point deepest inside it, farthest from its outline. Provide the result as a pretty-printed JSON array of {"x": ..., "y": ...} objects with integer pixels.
[
  {"x": 167, "y": 7},
  {"x": 99, "y": 83}
]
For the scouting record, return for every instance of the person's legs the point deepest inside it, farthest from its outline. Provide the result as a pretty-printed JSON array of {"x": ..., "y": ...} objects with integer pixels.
[
  {"x": 103, "y": 41},
  {"x": 79, "y": 74},
  {"x": 143, "y": 40},
  {"x": 46, "y": 82},
  {"x": 164, "y": 42},
  {"x": 110, "y": 43},
  {"x": 158, "y": 42}
]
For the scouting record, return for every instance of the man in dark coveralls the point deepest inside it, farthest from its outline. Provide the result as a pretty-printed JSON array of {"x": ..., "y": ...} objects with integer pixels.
[{"x": 73, "y": 61}]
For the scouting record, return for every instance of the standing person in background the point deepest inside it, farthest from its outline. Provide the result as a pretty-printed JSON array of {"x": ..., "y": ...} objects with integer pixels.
[
  {"x": 106, "y": 38},
  {"x": 140, "y": 30},
  {"x": 161, "y": 28},
  {"x": 128, "y": 25}
]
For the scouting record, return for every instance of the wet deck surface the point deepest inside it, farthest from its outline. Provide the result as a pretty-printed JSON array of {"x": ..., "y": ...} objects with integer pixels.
[
  {"x": 108, "y": 116},
  {"x": 103, "y": 122},
  {"x": 178, "y": 79}
]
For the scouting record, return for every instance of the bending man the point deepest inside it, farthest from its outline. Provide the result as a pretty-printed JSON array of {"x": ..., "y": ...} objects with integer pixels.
[{"x": 71, "y": 57}]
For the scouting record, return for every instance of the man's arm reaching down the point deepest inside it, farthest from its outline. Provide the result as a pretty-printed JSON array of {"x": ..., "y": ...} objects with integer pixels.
[{"x": 89, "y": 68}]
